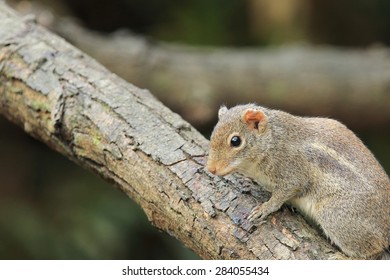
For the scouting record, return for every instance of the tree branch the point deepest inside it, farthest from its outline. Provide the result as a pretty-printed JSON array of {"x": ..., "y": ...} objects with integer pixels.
[
  {"x": 122, "y": 133},
  {"x": 308, "y": 80}
]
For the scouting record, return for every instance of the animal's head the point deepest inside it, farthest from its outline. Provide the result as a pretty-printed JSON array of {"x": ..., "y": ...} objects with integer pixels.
[{"x": 240, "y": 136}]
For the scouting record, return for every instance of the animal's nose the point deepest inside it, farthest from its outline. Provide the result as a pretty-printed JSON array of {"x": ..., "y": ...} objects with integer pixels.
[{"x": 212, "y": 169}]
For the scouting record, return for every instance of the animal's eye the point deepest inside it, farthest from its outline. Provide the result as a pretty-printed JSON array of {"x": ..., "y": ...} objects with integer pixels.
[{"x": 235, "y": 141}]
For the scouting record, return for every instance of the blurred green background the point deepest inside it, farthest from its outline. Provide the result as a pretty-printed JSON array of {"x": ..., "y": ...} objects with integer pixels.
[{"x": 52, "y": 209}]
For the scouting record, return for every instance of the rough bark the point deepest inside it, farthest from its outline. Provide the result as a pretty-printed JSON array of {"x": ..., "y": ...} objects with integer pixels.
[
  {"x": 122, "y": 133},
  {"x": 306, "y": 80}
]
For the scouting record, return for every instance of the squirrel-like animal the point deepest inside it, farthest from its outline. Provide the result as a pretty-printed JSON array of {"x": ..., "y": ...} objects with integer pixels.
[{"x": 316, "y": 164}]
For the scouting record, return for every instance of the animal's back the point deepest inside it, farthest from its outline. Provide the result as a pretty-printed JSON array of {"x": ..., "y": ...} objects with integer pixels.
[{"x": 351, "y": 187}]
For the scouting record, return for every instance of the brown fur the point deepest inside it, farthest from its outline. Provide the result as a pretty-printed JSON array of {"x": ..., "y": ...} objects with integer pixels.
[{"x": 316, "y": 164}]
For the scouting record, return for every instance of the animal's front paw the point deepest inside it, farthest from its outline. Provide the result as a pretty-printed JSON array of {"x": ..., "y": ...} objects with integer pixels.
[
  {"x": 338, "y": 256},
  {"x": 258, "y": 213}
]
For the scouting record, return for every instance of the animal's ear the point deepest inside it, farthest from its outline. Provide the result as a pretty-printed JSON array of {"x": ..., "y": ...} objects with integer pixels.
[
  {"x": 255, "y": 119},
  {"x": 222, "y": 110}
]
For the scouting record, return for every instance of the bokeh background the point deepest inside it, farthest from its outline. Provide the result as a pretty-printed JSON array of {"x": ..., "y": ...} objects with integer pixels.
[{"x": 52, "y": 209}]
